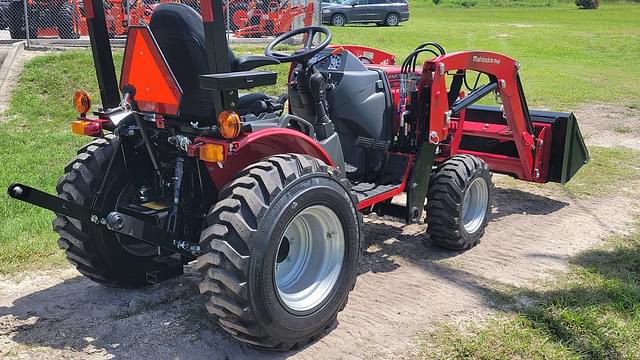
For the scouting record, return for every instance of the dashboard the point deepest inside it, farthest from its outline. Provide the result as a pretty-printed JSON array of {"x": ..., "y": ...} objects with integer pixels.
[
  {"x": 332, "y": 63},
  {"x": 334, "y": 67}
]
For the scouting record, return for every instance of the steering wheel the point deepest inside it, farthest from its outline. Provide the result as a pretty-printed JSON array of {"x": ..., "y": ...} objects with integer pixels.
[{"x": 307, "y": 52}]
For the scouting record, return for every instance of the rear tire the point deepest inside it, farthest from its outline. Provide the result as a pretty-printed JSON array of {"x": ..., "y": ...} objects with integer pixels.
[
  {"x": 459, "y": 202},
  {"x": 96, "y": 252},
  {"x": 338, "y": 20},
  {"x": 265, "y": 286}
]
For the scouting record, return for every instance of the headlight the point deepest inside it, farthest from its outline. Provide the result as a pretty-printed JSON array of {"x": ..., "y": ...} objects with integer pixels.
[{"x": 326, "y": 11}]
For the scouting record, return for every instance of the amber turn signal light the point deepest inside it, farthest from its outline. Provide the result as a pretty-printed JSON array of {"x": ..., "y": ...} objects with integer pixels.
[
  {"x": 84, "y": 127},
  {"x": 211, "y": 153},
  {"x": 82, "y": 102},
  {"x": 78, "y": 126},
  {"x": 229, "y": 124}
]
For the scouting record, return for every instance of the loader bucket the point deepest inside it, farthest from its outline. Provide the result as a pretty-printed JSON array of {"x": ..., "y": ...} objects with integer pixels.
[
  {"x": 565, "y": 156},
  {"x": 568, "y": 150}
]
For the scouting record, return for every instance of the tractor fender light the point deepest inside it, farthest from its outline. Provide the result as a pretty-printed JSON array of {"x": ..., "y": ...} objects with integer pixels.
[
  {"x": 84, "y": 127},
  {"x": 82, "y": 102},
  {"x": 211, "y": 152},
  {"x": 229, "y": 124}
]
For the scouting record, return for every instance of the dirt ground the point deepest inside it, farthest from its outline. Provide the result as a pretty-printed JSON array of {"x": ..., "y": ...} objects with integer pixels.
[
  {"x": 12, "y": 76},
  {"x": 403, "y": 286}
]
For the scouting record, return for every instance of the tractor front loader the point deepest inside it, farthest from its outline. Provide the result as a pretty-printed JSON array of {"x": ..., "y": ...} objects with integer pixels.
[{"x": 267, "y": 199}]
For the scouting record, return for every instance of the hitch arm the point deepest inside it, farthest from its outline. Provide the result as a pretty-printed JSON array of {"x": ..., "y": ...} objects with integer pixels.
[
  {"x": 57, "y": 205},
  {"x": 114, "y": 221}
]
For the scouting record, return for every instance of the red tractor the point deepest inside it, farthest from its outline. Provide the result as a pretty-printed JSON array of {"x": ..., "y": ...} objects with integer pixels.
[
  {"x": 268, "y": 200},
  {"x": 268, "y": 18},
  {"x": 60, "y": 18},
  {"x": 65, "y": 18}
]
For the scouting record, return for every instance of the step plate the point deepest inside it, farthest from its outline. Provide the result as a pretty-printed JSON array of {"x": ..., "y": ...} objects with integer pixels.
[{"x": 369, "y": 194}]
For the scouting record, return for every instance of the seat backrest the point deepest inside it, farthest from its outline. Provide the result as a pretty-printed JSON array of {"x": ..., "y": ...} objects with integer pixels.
[{"x": 179, "y": 32}]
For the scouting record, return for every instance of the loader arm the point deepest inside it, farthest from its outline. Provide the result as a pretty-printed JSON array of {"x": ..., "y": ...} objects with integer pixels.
[{"x": 505, "y": 81}]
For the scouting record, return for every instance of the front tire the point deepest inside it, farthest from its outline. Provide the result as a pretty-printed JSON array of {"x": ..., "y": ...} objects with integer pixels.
[
  {"x": 338, "y": 20},
  {"x": 459, "y": 202},
  {"x": 280, "y": 252}
]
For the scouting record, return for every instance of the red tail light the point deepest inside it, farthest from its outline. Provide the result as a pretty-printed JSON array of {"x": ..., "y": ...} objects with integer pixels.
[{"x": 145, "y": 69}]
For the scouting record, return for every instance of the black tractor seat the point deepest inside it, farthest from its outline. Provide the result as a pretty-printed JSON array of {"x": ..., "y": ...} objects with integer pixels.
[{"x": 179, "y": 32}]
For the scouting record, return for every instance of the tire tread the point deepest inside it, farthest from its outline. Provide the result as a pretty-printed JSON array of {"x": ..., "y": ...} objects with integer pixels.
[
  {"x": 226, "y": 267},
  {"x": 444, "y": 202}
]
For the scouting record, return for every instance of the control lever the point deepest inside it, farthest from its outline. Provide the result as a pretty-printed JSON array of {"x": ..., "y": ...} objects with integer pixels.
[
  {"x": 323, "y": 125},
  {"x": 318, "y": 87}
]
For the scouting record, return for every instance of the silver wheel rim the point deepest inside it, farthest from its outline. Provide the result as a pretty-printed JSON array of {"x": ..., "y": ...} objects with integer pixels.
[
  {"x": 338, "y": 20},
  {"x": 392, "y": 20},
  {"x": 309, "y": 259},
  {"x": 474, "y": 206}
]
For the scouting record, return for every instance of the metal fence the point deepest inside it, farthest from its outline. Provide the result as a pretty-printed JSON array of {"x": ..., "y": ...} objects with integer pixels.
[{"x": 64, "y": 19}]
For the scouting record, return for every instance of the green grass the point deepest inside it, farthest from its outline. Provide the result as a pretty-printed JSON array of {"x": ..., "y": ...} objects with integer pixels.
[
  {"x": 622, "y": 129},
  {"x": 593, "y": 312},
  {"x": 489, "y": 3},
  {"x": 609, "y": 171},
  {"x": 569, "y": 57},
  {"x": 36, "y": 144}
]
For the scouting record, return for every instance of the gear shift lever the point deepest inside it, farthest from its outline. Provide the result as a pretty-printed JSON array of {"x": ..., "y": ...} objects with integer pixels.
[{"x": 318, "y": 87}]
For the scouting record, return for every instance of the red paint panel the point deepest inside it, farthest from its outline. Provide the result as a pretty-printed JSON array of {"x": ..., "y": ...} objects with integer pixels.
[
  {"x": 88, "y": 9},
  {"x": 250, "y": 148},
  {"x": 493, "y": 131},
  {"x": 206, "y": 10}
]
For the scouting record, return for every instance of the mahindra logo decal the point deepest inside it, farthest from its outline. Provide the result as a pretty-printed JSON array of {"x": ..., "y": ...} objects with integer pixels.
[{"x": 486, "y": 60}]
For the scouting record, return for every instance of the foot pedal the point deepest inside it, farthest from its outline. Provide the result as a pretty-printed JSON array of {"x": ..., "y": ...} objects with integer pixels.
[
  {"x": 350, "y": 169},
  {"x": 372, "y": 144},
  {"x": 374, "y": 153}
]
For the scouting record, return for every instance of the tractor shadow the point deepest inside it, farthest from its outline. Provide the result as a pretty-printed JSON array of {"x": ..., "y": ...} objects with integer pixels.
[
  {"x": 568, "y": 313},
  {"x": 388, "y": 240},
  {"x": 508, "y": 202},
  {"x": 169, "y": 320},
  {"x": 81, "y": 318}
]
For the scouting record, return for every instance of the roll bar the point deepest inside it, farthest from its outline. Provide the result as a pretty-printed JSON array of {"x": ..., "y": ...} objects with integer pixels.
[
  {"x": 102, "y": 56},
  {"x": 216, "y": 45}
]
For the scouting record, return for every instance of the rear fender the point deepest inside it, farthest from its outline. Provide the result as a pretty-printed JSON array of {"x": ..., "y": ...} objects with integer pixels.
[{"x": 253, "y": 147}]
